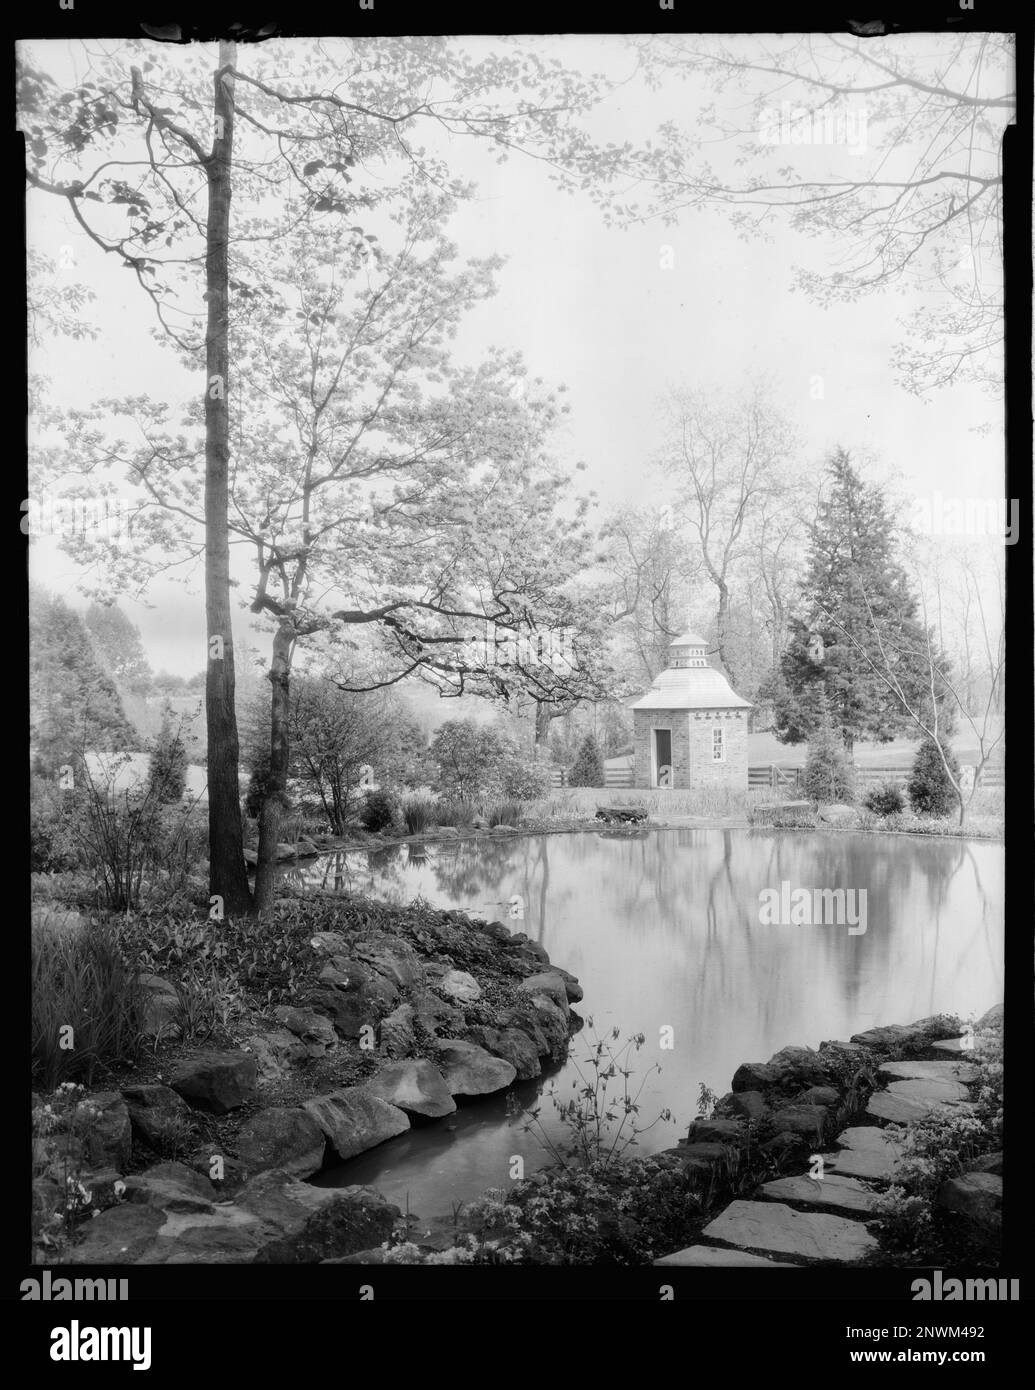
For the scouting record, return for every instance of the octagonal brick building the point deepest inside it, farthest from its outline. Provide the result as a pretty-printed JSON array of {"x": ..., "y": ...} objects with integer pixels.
[{"x": 691, "y": 727}]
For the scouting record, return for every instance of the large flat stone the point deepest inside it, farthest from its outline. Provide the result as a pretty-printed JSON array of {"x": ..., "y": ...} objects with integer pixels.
[
  {"x": 709, "y": 1257},
  {"x": 864, "y": 1152},
  {"x": 773, "y": 1228},
  {"x": 354, "y": 1120},
  {"x": 904, "y": 1107},
  {"x": 833, "y": 1192},
  {"x": 414, "y": 1085},
  {"x": 928, "y": 1071},
  {"x": 469, "y": 1070}
]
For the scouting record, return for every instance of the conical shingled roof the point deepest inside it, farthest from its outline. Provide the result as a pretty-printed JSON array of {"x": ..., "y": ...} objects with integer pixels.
[{"x": 698, "y": 686}]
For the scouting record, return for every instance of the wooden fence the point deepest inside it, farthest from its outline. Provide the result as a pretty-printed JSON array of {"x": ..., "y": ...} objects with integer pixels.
[{"x": 780, "y": 777}]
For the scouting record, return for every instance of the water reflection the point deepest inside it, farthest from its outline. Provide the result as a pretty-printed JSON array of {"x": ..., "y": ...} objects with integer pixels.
[{"x": 663, "y": 929}]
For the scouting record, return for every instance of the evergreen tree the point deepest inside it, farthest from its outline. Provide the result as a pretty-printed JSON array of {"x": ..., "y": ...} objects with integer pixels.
[
  {"x": 588, "y": 768},
  {"x": 857, "y": 627},
  {"x": 931, "y": 790},
  {"x": 828, "y": 775},
  {"x": 167, "y": 772},
  {"x": 74, "y": 706}
]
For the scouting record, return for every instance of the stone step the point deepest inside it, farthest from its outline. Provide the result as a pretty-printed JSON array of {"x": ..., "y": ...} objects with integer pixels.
[
  {"x": 833, "y": 1192},
  {"x": 963, "y": 1072},
  {"x": 905, "y": 1102},
  {"x": 772, "y": 1228},
  {"x": 953, "y": 1046},
  {"x": 711, "y": 1257},
  {"x": 864, "y": 1152}
]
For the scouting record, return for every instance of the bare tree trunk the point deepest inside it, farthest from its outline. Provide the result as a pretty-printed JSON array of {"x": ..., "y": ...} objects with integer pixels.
[
  {"x": 228, "y": 877},
  {"x": 280, "y": 754},
  {"x": 722, "y": 629}
]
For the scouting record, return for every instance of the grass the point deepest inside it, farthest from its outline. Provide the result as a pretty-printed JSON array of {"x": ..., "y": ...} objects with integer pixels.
[
  {"x": 86, "y": 1004},
  {"x": 419, "y": 813}
]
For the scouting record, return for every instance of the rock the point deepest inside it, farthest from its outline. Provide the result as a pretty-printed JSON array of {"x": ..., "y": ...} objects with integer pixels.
[
  {"x": 865, "y": 1151},
  {"x": 552, "y": 1022},
  {"x": 434, "y": 1013},
  {"x": 284, "y": 1137},
  {"x": 314, "y": 1029},
  {"x": 446, "y": 832},
  {"x": 716, "y": 1132},
  {"x": 415, "y": 1086},
  {"x": 392, "y": 958},
  {"x": 571, "y": 985},
  {"x": 807, "y": 1120},
  {"x": 750, "y": 1104},
  {"x": 712, "y": 1257},
  {"x": 548, "y": 982},
  {"x": 226, "y": 1174},
  {"x": 277, "y": 1051},
  {"x": 978, "y": 1197},
  {"x": 216, "y": 1081},
  {"x": 497, "y": 930},
  {"x": 358, "y": 1003},
  {"x": 952, "y": 1047},
  {"x": 800, "y": 1066},
  {"x": 161, "y": 1009},
  {"x": 355, "y": 1120},
  {"x": 989, "y": 1163},
  {"x": 783, "y": 1143},
  {"x": 108, "y": 1141},
  {"x": 119, "y": 1236},
  {"x": 701, "y": 1151},
  {"x": 275, "y": 1220},
  {"x": 158, "y": 1115},
  {"x": 820, "y": 1095},
  {"x": 772, "y": 1228},
  {"x": 832, "y": 1192},
  {"x": 838, "y": 814},
  {"x": 894, "y": 1107},
  {"x": 397, "y": 1035},
  {"x": 468, "y": 1070},
  {"x": 995, "y": 1015},
  {"x": 513, "y": 1046},
  {"x": 754, "y": 1076},
  {"x": 459, "y": 985},
  {"x": 526, "y": 1021},
  {"x": 171, "y": 1187},
  {"x": 329, "y": 943},
  {"x": 928, "y": 1071},
  {"x": 926, "y": 1030},
  {"x": 933, "y": 1090},
  {"x": 522, "y": 943},
  {"x": 503, "y": 829}
]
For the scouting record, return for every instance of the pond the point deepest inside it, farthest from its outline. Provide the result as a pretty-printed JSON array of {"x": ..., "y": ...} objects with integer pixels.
[{"x": 665, "y": 931}]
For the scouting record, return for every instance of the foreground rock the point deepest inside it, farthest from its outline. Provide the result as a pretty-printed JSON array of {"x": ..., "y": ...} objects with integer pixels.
[
  {"x": 833, "y": 1192},
  {"x": 354, "y": 1120},
  {"x": 415, "y": 1086},
  {"x": 865, "y": 1152},
  {"x": 161, "y": 1012},
  {"x": 158, "y": 1115},
  {"x": 772, "y": 1228},
  {"x": 216, "y": 1081},
  {"x": 711, "y": 1257},
  {"x": 468, "y": 1070},
  {"x": 274, "y": 1220},
  {"x": 287, "y": 1138}
]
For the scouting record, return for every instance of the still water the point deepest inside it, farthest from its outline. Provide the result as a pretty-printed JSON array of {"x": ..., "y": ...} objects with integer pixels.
[{"x": 663, "y": 930}]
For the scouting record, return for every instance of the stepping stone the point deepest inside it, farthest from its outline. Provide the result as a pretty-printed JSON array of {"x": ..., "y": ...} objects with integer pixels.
[
  {"x": 773, "y": 1228},
  {"x": 832, "y": 1192},
  {"x": 905, "y": 1102},
  {"x": 865, "y": 1152},
  {"x": 928, "y": 1071},
  {"x": 707, "y": 1257},
  {"x": 954, "y": 1046}
]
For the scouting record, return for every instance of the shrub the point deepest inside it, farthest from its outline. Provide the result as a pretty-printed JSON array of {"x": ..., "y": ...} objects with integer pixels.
[
  {"x": 886, "y": 800},
  {"x": 418, "y": 812},
  {"x": 53, "y": 844},
  {"x": 931, "y": 792},
  {"x": 379, "y": 810},
  {"x": 588, "y": 767},
  {"x": 458, "y": 811},
  {"x": 523, "y": 779},
  {"x": 167, "y": 770},
  {"x": 81, "y": 981},
  {"x": 828, "y": 775}
]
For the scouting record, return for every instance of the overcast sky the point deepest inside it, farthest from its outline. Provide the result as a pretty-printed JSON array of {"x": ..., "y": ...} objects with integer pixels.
[{"x": 596, "y": 309}]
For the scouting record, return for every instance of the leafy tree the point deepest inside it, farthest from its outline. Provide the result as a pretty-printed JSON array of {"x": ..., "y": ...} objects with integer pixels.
[
  {"x": 167, "y": 771},
  {"x": 285, "y": 135},
  {"x": 117, "y": 642},
  {"x": 588, "y": 768},
  {"x": 856, "y": 612},
  {"x": 915, "y": 205},
  {"x": 934, "y": 780},
  {"x": 467, "y": 758},
  {"x": 74, "y": 706}
]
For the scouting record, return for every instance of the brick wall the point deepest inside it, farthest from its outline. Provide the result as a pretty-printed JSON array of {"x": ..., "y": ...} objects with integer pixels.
[{"x": 692, "y": 760}]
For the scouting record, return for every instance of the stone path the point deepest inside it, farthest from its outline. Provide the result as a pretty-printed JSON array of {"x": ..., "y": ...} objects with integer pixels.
[{"x": 796, "y": 1221}]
